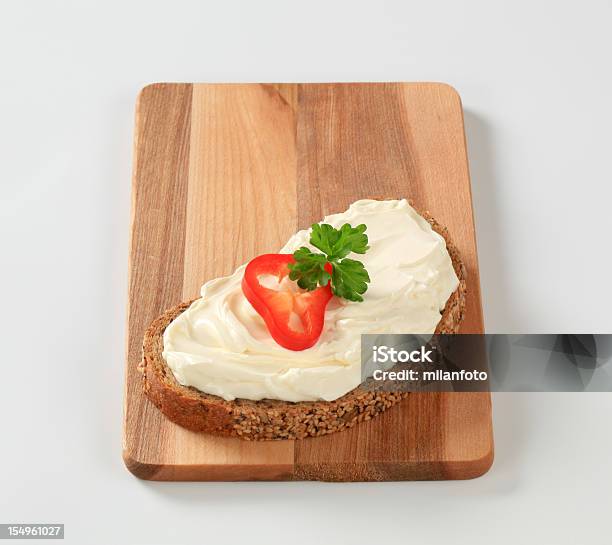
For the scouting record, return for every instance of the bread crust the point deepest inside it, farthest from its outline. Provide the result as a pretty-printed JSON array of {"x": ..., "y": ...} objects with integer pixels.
[{"x": 272, "y": 419}]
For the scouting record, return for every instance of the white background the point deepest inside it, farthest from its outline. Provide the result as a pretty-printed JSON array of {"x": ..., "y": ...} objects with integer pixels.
[{"x": 536, "y": 85}]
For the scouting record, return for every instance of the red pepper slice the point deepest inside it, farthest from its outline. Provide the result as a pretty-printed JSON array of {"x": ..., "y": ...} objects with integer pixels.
[{"x": 294, "y": 317}]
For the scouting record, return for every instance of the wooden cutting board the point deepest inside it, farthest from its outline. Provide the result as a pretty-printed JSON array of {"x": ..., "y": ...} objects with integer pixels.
[{"x": 224, "y": 172}]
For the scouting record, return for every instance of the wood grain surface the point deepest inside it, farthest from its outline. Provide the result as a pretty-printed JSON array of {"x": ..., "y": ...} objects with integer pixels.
[{"x": 224, "y": 172}]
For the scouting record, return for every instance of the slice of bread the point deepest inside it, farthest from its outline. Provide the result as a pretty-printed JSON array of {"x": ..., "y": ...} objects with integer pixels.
[{"x": 271, "y": 419}]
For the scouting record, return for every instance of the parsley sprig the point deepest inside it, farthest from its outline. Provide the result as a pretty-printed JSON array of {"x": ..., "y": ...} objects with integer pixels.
[{"x": 349, "y": 278}]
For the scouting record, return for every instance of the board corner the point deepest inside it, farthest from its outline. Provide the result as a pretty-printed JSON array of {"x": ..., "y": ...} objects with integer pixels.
[{"x": 140, "y": 468}]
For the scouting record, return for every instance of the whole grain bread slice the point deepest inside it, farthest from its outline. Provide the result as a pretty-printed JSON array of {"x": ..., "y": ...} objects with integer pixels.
[{"x": 271, "y": 419}]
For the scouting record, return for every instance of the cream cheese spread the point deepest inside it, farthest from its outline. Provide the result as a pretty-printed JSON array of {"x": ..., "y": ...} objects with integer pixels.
[{"x": 221, "y": 346}]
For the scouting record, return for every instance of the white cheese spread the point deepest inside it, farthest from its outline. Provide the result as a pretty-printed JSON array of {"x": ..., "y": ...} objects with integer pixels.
[{"x": 221, "y": 346}]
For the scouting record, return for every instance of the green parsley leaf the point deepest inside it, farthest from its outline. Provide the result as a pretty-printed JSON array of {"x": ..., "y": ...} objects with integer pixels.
[
  {"x": 338, "y": 243},
  {"x": 349, "y": 279},
  {"x": 309, "y": 269}
]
